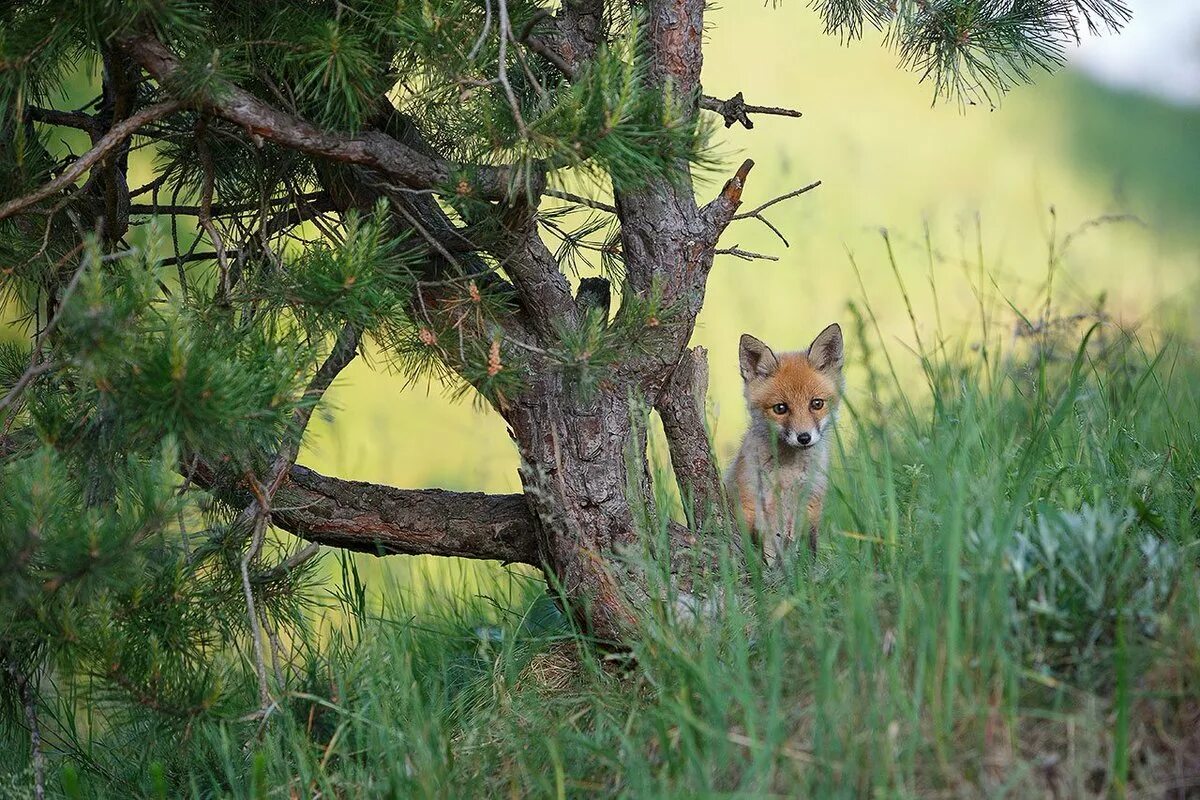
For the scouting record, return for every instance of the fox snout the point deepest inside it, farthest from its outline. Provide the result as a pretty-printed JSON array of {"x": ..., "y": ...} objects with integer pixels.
[
  {"x": 793, "y": 396},
  {"x": 802, "y": 438}
]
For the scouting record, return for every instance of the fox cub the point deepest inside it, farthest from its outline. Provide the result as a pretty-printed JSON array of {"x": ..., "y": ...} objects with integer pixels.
[{"x": 784, "y": 459}]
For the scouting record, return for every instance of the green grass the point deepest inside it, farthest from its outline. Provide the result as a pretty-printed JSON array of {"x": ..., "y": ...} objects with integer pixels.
[
  {"x": 1007, "y": 597},
  {"x": 1005, "y": 603}
]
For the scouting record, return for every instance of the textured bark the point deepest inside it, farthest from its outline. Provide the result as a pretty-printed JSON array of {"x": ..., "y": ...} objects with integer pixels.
[
  {"x": 382, "y": 520},
  {"x": 668, "y": 239},
  {"x": 575, "y": 458},
  {"x": 543, "y": 288},
  {"x": 681, "y": 408},
  {"x": 663, "y": 234},
  {"x": 577, "y": 33}
]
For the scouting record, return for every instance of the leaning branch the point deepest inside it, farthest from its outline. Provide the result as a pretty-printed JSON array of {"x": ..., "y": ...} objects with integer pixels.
[
  {"x": 735, "y": 109},
  {"x": 345, "y": 348},
  {"x": 680, "y": 406},
  {"x": 383, "y": 520},
  {"x": 103, "y": 147},
  {"x": 372, "y": 149}
]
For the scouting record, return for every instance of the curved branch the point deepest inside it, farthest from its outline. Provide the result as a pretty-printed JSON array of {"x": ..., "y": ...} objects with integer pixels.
[
  {"x": 369, "y": 148},
  {"x": 106, "y": 145},
  {"x": 383, "y": 520}
]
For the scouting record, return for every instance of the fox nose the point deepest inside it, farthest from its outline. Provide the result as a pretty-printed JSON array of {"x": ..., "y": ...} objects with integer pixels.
[{"x": 804, "y": 438}]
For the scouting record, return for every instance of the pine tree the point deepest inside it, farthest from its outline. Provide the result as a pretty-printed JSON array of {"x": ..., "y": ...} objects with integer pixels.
[{"x": 333, "y": 173}]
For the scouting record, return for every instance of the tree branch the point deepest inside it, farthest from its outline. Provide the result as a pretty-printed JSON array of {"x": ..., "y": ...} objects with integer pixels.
[
  {"x": 382, "y": 520},
  {"x": 573, "y": 39},
  {"x": 223, "y": 210},
  {"x": 369, "y": 149},
  {"x": 735, "y": 109},
  {"x": 680, "y": 406},
  {"x": 343, "y": 352},
  {"x": 744, "y": 255},
  {"x": 64, "y": 119},
  {"x": 718, "y": 213},
  {"x": 106, "y": 145},
  {"x": 662, "y": 232},
  {"x": 29, "y": 704},
  {"x": 757, "y": 212},
  {"x": 543, "y": 288},
  {"x": 580, "y": 200}
]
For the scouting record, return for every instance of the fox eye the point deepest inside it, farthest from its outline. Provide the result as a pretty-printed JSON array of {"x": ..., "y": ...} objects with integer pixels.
[
  {"x": 816, "y": 404},
  {"x": 780, "y": 408}
]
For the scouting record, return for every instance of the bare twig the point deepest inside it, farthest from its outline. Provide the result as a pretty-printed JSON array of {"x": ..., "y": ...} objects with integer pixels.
[
  {"x": 579, "y": 200},
  {"x": 735, "y": 109},
  {"x": 36, "y": 365},
  {"x": 745, "y": 255},
  {"x": 505, "y": 34},
  {"x": 291, "y": 563},
  {"x": 433, "y": 241},
  {"x": 218, "y": 209},
  {"x": 204, "y": 217},
  {"x": 757, "y": 213},
  {"x": 106, "y": 144},
  {"x": 151, "y": 187},
  {"x": 260, "y": 529},
  {"x": 32, "y": 372},
  {"x": 29, "y": 703},
  {"x": 487, "y": 26},
  {"x": 187, "y": 258},
  {"x": 65, "y": 119}
]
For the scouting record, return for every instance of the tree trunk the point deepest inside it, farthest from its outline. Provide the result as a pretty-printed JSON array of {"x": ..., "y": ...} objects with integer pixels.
[
  {"x": 582, "y": 459},
  {"x": 584, "y": 471}
]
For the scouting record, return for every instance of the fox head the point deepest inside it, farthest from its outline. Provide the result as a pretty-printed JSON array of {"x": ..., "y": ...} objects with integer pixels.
[{"x": 795, "y": 394}]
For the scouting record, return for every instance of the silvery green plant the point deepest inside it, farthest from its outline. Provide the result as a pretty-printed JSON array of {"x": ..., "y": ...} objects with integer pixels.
[{"x": 1076, "y": 576}]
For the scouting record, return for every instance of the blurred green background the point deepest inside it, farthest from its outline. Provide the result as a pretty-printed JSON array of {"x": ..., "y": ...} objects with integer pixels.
[{"x": 980, "y": 180}]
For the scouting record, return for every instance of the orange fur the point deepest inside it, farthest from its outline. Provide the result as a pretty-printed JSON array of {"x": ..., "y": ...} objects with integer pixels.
[{"x": 784, "y": 458}]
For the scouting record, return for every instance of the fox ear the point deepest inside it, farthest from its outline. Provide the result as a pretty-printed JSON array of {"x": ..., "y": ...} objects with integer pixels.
[
  {"x": 757, "y": 360},
  {"x": 826, "y": 353}
]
